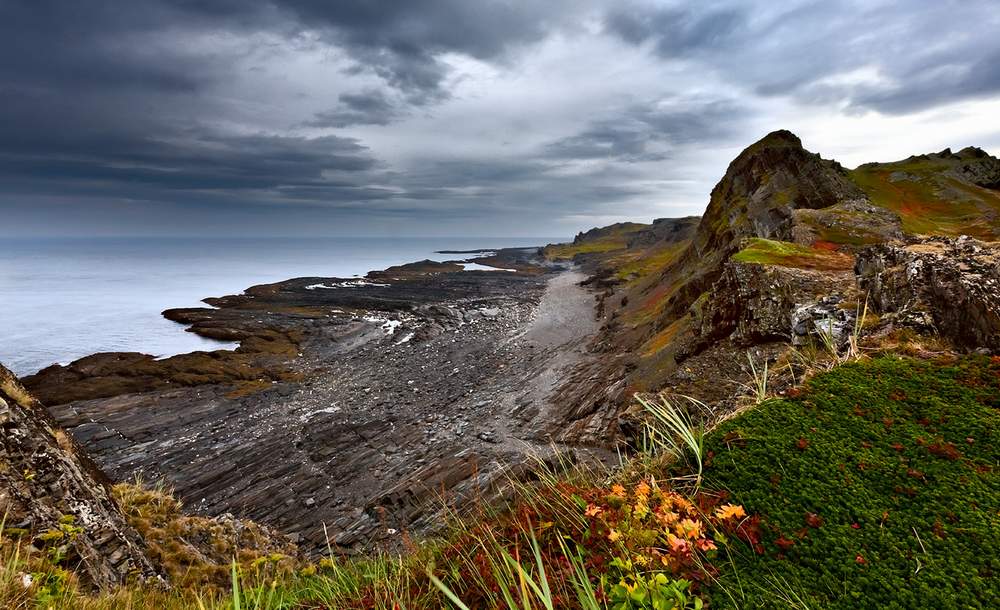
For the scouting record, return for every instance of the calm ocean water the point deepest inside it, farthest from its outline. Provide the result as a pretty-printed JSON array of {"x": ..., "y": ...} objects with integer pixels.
[{"x": 61, "y": 299}]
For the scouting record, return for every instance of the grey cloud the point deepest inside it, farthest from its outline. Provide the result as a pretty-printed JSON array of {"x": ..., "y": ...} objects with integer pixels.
[
  {"x": 647, "y": 132},
  {"x": 926, "y": 52},
  {"x": 675, "y": 31},
  {"x": 402, "y": 41},
  {"x": 151, "y": 101},
  {"x": 369, "y": 107}
]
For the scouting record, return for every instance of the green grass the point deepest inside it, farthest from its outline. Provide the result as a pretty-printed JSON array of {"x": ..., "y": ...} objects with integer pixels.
[
  {"x": 568, "y": 251},
  {"x": 786, "y": 254},
  {"x": 646, "y": 262},
  {"x": 610, "y": 239},
  {"x": 876, "y": 487}
]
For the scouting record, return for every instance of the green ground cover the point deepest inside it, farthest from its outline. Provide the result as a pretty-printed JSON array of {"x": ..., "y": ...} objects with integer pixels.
[
  {"x": 875, "y": 487},
  {"x": 786, "y": 254}
]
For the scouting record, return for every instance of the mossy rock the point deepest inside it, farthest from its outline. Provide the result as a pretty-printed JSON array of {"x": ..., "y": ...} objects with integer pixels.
[{"x": 786, "y": 254}]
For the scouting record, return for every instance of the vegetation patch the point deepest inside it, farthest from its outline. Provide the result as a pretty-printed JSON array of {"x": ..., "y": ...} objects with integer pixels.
[
  {"x": 645, "y": 263},
  {"x": 876, "y": 486},
  {"x": 606, "y": 239},
  {"x": 568, "y": 251},
  {"x": 663, "y": 338},
  {"x": 928, "y": 201},
  {"x": 786, "y": 254}
]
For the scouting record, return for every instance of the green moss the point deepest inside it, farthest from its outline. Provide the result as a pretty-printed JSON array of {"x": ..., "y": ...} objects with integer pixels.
[
  {"x": 877, "y": 487},
  {"x": 645, "y": 263},
  {"x": 786, "y": 254},
  {"x": 568, "y": 251},
  {"x": 606, "y": 239}
]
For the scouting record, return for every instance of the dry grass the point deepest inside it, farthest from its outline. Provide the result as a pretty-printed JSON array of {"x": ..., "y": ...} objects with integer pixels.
[{"x": 195, "y": 552}]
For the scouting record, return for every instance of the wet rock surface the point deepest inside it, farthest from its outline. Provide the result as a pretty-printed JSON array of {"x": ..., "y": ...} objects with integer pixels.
[
  {"x": 406, "y": 387},
  {"x": 937, "y": 285},
  {"x": 53, "y": 498}
]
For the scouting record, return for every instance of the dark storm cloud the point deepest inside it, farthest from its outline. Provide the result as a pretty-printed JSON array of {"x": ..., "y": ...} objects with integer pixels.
[
  {"x": 648, "y": 132},
  {"x": 370, "y": 107},
  {"x": 403, "y": 41},
  {"x": 204, "y": 106},
  {"x": 676, "y": 31},
  {"x": 925, "y": 53},
  {"x": 112, "y": 99},
  {"x": 94, "y": 145}
]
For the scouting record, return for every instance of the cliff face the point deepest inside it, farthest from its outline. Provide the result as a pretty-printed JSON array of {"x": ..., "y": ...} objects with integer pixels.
[
  {"x": 948, "y": 287},
  {"x": 771, "y": 265},
  {"x": 54, "y": 498}
]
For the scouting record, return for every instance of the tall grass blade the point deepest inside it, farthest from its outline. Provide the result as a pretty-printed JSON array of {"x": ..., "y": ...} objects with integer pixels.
[
  {"x": 444, "y": 589},
  {"x": 236, "y": 585},
  {"x": 672, "y": 430}
]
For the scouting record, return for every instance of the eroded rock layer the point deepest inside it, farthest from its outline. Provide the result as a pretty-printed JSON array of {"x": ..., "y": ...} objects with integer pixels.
[{"x": 53, "y": 498}]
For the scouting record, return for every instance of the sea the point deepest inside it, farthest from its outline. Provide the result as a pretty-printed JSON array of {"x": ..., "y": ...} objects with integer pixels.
[{"x": 61, "y": 299}]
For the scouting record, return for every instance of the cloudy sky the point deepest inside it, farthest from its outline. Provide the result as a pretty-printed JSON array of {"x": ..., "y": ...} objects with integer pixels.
[{"x": 456, "y": 117}]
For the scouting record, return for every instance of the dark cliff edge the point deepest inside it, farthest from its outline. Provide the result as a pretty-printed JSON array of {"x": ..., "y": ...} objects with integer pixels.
[{"x": 53, "y": 497}]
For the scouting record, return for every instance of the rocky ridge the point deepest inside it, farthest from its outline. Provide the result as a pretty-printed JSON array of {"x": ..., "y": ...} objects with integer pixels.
[
  {"x": 789, "y": 251},
  {"x": 55, "y": 499}
]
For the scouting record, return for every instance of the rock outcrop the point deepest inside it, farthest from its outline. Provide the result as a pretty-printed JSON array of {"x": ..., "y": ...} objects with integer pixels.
[
  {"x": 937, "y": 284},
  {"x": 762, "y": 188},
  {"x": 979, "y": 167},
  {"x": 54, "y": 498},
  {"x": 665, "y": 230},
  {"x": 755, "y": 304}
]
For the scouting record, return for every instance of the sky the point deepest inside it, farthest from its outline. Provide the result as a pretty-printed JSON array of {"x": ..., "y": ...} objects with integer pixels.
[{"x": 456, "y": 117}]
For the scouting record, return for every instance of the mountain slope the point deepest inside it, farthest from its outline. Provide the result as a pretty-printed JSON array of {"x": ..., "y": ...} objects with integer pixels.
[
  {"x": 938, "y": 194},
  {"x": 773, "y": 255}
]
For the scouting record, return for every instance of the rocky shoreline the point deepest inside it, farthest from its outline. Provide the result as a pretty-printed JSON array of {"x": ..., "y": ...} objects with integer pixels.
[{"x": 350, "y": 405}]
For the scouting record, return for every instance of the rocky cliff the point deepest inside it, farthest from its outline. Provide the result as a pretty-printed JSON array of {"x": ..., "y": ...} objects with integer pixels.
[
  {"x": 763, "y": 187},
  {"x": 943, "y": 286},
  {"x": 54, "y": 498},
  {"x": 790, "y": 249}
]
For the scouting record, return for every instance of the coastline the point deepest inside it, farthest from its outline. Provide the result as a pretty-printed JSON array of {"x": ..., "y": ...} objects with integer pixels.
[
  {"x": 68, "y": 298},
  {"x": 348, "y": 403}
]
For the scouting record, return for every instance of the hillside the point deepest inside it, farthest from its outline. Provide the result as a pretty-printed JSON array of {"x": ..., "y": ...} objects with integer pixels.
[
  {"x": 775, "y": 253},
  {"x": 799, "y": 390}
]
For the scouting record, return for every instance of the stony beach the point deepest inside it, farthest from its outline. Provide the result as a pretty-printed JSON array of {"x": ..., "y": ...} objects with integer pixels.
[{"x": 354, "y": 405}]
